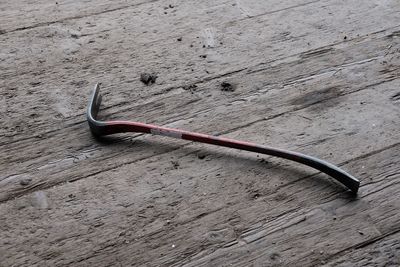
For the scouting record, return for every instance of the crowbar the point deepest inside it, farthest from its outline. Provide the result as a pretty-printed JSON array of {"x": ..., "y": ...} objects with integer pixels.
[{"x": 101, "y": 128}]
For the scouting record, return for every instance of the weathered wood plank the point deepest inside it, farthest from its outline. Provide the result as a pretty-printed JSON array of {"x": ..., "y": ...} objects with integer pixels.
[
  {"x": 181, "y": 218},
  {"x": 30, "y": 13},
  {"x": 306, "y": 236},
  {"x": 316, "y": 76},
  {"x": 52, "y": 85},
  {"x": 60, "y": 156}
]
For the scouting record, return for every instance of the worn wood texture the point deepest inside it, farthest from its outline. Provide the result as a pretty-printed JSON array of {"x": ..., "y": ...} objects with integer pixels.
[{"x": 319, "y": 77}]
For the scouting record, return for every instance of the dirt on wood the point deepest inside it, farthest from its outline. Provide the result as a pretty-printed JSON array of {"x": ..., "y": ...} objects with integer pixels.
[{"x": 148, "y": 78}]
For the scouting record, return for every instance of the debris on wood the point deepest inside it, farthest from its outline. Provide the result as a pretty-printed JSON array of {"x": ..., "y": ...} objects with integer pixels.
[
  {"x": 228, "y": 87},
  {"x": 25, "y": 181},
  {"x": 201, "y": 156},
  {"x": 190, "y": 87},
  {"x": 175, "y": 164},
  {"x": 148, "y": 78}
]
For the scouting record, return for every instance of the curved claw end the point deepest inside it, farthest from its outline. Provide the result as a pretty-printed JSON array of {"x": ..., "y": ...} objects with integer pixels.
[
  {"x": 95, "y": 101},
  {"x": 93, "y": 109}
]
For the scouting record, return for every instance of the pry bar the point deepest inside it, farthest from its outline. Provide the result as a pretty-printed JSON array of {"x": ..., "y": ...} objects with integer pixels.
[{"x": 101, "y": 128}]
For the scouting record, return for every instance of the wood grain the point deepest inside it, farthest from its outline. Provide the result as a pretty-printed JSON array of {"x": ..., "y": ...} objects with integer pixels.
[{"x": 318, "y": 77}]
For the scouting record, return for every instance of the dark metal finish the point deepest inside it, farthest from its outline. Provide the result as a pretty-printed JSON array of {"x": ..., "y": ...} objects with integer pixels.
[{"x": 100, "y": 128}]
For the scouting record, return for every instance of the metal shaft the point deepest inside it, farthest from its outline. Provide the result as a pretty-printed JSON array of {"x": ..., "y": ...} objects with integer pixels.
[{"x": 101, "y": 128}]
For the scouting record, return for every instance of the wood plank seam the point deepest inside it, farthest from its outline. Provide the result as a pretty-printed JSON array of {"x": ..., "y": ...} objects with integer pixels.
[{"x": 48, "y": 23}]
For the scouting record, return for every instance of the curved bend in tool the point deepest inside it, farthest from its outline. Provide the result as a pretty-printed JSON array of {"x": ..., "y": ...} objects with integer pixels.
[{"x": 100, "y": 128}]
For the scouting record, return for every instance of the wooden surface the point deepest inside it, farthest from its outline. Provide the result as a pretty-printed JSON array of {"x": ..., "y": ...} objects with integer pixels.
[{"x": 318, "y": 77}]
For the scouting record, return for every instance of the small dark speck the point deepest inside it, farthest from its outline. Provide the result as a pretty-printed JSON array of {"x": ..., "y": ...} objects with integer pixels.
[
  {"x": 228, "y": 87},
  {"x": 171, "y": 6},
  {"x": 35, "y": 83},
  {"x": 179, "y": 39},
  {"x": 201, "y": 156},
  {"x": 274, "y": 256},
  {"x": 25, "y": 181},
  {"x": 190, "y": 87},
  {"x": 75, "y": 36},
  {"x": 345, "y": 37},
  {"x": 361, "y": 233},
  {"x": 175, "y": 164},
  {"x": 148, "y": 78},
  {"x": 203, "y": 56},
  {"x": 396, "y": 97}
]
